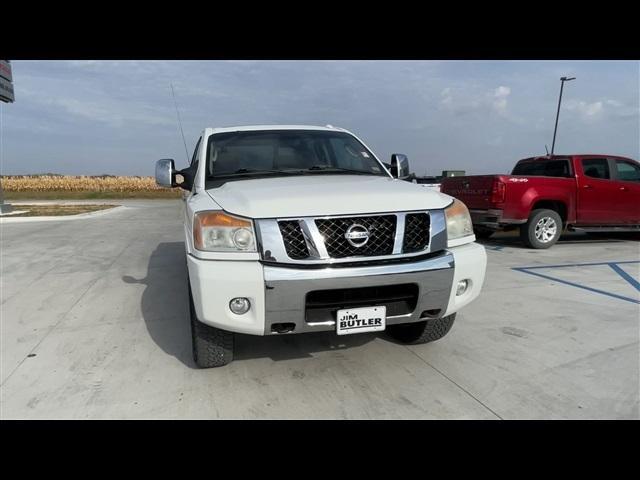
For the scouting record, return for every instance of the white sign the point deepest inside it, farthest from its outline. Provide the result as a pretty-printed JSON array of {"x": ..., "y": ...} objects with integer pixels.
[{"x": 360, "y": 320}]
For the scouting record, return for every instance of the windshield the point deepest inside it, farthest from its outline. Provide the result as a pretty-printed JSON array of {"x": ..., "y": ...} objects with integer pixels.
[
  {"x": 287, "y": 152},
  {"x": 545, "y": 168}
]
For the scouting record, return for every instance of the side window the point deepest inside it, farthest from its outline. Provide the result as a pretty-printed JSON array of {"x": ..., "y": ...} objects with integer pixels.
[
  {"x": 196, "y": 153},
  {"x": 627, "y": 171},
  {"x": 596, "y": 168},
  {"x": 559, "y": 168},
  {"x": 547, "y": 168}
]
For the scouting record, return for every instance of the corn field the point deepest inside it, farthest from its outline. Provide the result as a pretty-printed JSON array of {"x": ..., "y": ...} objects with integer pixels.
[{"x": 65, "y": 183}]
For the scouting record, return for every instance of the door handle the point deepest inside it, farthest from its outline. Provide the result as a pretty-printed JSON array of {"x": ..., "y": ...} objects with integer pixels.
[
  {"x": 624, "y": 189},
  {"x": 587, "y": 186}
]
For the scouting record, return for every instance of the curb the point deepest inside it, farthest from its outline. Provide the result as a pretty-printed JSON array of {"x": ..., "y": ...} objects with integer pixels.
[{"x": 80, "y": 216}]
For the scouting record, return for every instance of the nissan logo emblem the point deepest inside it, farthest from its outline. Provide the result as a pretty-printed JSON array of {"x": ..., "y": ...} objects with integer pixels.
[{"x": 357, "y": 235}]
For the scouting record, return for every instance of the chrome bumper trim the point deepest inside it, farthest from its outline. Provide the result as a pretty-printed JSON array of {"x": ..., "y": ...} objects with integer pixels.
[{"x": 286, "y": 289}]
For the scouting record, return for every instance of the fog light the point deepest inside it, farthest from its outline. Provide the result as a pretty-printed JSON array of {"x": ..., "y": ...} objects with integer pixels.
[
  {"x": 462, "y": 287},
  {"x": 239, "y": 305}
]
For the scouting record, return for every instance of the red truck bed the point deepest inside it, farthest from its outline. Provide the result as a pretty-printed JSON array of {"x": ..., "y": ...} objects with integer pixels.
[
  {"x": 506, "y": 199},
  {"x": 590, "y": 192}
]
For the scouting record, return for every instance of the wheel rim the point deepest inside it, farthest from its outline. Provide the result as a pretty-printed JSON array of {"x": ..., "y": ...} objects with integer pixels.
[{"x": 546, "y": 229}]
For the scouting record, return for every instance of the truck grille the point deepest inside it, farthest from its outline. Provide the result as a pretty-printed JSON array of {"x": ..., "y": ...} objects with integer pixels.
[
  {"x": 378, "y": 236},
  {"x": 294, "y": 242},
  {"x": 416, "y": 232},
  {"x": 382, "y": 231}
]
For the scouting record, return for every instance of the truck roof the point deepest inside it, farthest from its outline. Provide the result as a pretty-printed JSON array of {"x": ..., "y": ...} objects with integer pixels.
[
  {"x": 248, "y": 128},
  {"x": 552, "y": 157}
]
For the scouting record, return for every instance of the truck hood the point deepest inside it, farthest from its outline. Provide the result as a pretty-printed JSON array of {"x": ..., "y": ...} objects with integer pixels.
[{"x": 319, "y": 195}]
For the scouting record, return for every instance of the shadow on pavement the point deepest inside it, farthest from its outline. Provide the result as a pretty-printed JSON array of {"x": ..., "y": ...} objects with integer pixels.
[
  {"x": 292, "y": 346},
  {"x": 164, "y": 302},
  {"x": 165, "y": 309},
  {"x": 512, "y": 239}
]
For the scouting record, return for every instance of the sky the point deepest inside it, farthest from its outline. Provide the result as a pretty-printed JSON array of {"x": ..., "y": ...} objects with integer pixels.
[{"x": 118, "y": 117}]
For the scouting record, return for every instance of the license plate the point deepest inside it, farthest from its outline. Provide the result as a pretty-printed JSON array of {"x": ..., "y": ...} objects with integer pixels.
[{"x": 360, "y": 320}]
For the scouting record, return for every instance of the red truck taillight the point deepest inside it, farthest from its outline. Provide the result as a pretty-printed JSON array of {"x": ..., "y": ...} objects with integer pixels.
[{"x": 498, "y": 192}]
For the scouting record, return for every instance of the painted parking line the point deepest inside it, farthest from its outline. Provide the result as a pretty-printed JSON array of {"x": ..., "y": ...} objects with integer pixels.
[
  {"x": 634, "y": 283},
  {"x": 613, "y": 265}
]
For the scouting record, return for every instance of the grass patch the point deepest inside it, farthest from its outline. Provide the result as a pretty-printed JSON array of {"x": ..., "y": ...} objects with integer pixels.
[
  {"x": 80, "y": 195},
  {"x": 56, "y": 210}
]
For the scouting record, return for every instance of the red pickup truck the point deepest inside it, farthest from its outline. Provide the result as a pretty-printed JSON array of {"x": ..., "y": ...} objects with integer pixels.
[{"x": 545, "y": 195}]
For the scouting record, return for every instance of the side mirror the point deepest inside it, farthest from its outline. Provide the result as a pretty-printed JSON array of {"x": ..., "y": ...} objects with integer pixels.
[
  {"x": 165, "y": 171},
  {"x": 399, "y": 166}
]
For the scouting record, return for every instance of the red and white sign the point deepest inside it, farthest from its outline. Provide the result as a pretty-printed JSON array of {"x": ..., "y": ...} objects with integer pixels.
[
  {"x": 5, "y": 70},
  {"x": 6, "y": 82}
]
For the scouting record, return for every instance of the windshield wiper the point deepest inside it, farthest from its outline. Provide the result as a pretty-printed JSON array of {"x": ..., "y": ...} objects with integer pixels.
[
  {"x": 314, "y": 168},
  {"x": 248, "y": 171},
  {"x": 329, "y": 168}
]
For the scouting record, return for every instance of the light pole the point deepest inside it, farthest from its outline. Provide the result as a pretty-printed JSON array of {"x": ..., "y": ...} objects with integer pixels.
[{"x": 562, "y": 80}]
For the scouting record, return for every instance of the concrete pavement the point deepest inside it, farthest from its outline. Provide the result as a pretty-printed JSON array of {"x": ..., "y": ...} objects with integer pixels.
[{"x": 94, "y": 325}]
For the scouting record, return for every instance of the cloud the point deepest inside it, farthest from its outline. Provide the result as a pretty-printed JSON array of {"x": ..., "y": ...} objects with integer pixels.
[
  {"x": 469, "y": 100},
  {"x": 586, "y": 109},
  {"x": 603, "y": 110},
  {"x": 591, "y": 109},
  {"x": 446, "y": 97},
  {"x": 502, "y": 92},
  {"x": 459, "y": 103},
  {"x": 94, "y": 116},
  {"x": 621, "y": 110},
  {"x": 103, "y": 111},
  {"x": 499, "y": 102},
  {"x": 598, "y": 109}
]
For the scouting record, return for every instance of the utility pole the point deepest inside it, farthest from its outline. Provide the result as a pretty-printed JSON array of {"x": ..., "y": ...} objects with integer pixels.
[{"x": 562, "y": 80}]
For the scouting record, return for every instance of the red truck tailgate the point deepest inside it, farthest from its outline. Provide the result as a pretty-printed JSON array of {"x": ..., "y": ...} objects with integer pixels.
[{"x": 474, "y": 191}]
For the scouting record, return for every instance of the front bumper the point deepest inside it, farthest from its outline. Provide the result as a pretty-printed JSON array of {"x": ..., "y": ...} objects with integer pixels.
[
  {"x": 278, "y": 294},
  {"x": 492, "y": 218}
]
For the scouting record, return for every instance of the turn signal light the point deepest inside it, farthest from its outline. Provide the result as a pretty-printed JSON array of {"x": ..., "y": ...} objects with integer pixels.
[{"x": 216, "y": 231}]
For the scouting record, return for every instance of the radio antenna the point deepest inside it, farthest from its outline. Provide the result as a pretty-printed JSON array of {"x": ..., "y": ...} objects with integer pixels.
[
  {"x": 545, "y": 147},
  {"x": 180, "y": 123}
]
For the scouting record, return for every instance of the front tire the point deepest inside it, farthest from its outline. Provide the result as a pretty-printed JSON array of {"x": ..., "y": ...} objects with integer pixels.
[
  {"x": 542, "y": 230},
  {"x": 422, "y": 332},
  {"x": 211, "y": 346}
]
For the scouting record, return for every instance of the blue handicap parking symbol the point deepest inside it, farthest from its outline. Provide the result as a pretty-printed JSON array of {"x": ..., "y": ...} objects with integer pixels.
[{"x": 615, "y": 266}]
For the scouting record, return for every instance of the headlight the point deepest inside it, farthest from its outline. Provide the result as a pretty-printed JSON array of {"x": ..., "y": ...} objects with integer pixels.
[
  {"x": 458, "y": 220},
  {"x": 216, "y": 231}
]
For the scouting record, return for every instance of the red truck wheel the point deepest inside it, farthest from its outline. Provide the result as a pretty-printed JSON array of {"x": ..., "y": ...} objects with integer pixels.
[{"x": 542, "y": 230}]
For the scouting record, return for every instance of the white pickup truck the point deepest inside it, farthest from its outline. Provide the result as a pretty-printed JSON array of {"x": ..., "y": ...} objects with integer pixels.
[{"x": 295, "y": 229}]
